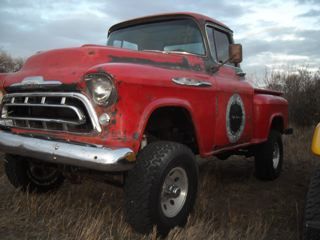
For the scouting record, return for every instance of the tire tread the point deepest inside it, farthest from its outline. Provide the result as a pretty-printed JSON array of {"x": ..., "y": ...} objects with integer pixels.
[
  {"x": 312, "y": 208},
  {"x": 16, "y": 171},
  {"x": 139, "y": 181},
  {"x": 263, "y": 158}
]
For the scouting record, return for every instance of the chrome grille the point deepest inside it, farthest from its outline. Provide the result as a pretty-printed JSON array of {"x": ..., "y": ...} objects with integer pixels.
[{"x": 69, "y": 112}]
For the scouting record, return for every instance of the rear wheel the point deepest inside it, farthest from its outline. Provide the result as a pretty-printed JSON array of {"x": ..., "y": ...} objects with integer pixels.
[
  {"x": 269, "y": 157},
  {"x": 161, "y": 188},
  {"x": 29, "y": 175}
]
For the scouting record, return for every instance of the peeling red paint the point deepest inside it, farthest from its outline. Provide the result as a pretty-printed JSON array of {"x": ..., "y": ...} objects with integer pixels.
[{"x": 143, "y": 81}]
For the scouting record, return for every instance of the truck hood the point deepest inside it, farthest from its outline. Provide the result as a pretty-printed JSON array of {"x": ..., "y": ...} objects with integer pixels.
[{"x": 68, "y": 65}]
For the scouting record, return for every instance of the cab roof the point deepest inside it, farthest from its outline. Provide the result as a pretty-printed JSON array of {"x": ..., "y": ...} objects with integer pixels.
[{"x": 197, "y": 17}]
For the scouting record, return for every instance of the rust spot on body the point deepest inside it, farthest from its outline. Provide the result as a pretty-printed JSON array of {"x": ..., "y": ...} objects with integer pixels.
[
  {"x": 184, "y": 64},
  {"x": 136, "y": 136}
]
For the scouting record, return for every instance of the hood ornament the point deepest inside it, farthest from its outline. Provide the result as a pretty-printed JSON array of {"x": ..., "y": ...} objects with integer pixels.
[{"x": 34, "y": 81}]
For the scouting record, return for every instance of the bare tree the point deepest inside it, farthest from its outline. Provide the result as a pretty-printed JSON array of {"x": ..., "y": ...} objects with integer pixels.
[
  {"x": 302, "y": 90},
  {"x": 8, "y": 63}
]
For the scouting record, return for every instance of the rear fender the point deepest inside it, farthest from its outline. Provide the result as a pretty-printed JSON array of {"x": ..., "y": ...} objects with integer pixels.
[
  {"x": 274, "y": 117},
  {"x": 267, "y": 108}
]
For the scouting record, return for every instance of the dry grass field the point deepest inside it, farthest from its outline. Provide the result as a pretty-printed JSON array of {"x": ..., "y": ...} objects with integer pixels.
[{"x": 231, "y": 204}]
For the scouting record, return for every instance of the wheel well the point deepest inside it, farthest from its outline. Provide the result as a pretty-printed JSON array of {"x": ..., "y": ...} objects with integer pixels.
[
  {"x": 277, "y": 124},
  {"x": 172, "y": 124}
]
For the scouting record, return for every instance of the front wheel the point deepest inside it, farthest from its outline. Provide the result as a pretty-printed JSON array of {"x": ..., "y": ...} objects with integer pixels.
[
  {"x": 30, "y": 175},
  {"x": 161, "y": 189},
  {"x": 269, "y": 157}
]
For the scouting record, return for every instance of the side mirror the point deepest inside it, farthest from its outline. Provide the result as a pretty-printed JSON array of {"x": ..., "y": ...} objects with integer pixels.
[
  {"x": 235, "y": 53},
  {"x": 235, "y": 56}
]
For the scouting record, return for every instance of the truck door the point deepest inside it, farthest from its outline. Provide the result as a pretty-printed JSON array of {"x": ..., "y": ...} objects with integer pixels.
[{"x": 234, "y": 95}]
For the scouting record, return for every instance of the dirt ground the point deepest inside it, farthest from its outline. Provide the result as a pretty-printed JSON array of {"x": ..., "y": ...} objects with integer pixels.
[{"x": 231, "y": 204}]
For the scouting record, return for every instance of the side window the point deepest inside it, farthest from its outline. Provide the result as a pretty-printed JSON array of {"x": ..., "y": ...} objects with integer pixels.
[
  {"x": 222, "y": 44},
  {"x": 211, "y": 42},
  {"x": 219, "y": 42}
]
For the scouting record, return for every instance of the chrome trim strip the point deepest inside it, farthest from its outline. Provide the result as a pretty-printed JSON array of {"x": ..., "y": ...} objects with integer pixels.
[
  {"x": 78, "y": 112},
  {"x": 191, "y": 82},
  {"x": 92, "y": 114},
  {"x": 91, "y": 157},
  {"x": 43, "y": 120}
]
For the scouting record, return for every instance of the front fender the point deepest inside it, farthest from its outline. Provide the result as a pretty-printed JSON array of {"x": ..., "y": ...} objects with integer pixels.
[
  {"x": 143, "y": 88},
  {"x": 165, "y": 102}
]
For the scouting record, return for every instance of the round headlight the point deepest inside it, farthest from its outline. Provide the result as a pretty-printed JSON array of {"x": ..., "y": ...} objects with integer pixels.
[
  {"x": 101, "y": 88},
  {"x": 101, "y": 91}
]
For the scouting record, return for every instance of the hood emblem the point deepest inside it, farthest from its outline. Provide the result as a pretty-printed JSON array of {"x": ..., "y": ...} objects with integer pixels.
[{"x": 33, "y": 81}]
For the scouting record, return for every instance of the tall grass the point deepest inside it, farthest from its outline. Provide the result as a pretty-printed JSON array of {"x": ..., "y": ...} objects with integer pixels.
[{"x": 231, "y": 204}]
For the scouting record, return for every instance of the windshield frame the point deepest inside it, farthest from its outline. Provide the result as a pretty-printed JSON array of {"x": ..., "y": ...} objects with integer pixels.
[{"x": 142, "y": 21}]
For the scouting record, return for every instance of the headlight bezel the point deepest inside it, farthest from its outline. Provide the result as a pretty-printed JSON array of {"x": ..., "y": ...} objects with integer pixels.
[{"x": 103, "y": 81}]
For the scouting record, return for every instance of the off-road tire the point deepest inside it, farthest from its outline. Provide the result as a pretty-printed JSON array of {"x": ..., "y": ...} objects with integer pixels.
[
  {"x": 311, "y": 222},
  {"x": 264, "y": 157},
  {"x": 143, "y": 186},
  {"x": 17, "y": 169}
]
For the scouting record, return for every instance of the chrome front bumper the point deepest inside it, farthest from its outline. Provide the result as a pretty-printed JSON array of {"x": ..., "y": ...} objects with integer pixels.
[{"x": 91, "y": 157}]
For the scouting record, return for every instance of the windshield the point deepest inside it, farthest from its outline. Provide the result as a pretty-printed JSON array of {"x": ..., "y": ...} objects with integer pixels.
[{"x": 174, "y": 35}]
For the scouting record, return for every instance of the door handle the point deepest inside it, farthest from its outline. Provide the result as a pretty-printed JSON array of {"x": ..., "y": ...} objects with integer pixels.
[{"x": 191, "y": 82}]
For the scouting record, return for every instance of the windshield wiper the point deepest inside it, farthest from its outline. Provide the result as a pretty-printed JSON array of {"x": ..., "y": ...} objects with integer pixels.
[
  {"x": 166, "y": 51},
  {"x": 149, "y": 50}
]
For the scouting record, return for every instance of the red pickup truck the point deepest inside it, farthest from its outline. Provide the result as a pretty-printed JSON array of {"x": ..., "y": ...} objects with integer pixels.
[{"x": 137, "y": 111}]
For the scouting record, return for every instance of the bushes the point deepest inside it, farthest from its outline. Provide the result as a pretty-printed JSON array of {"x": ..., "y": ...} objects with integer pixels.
[
  {"x": 302, "y": 90},
  {"x": 8, "y": 63}
]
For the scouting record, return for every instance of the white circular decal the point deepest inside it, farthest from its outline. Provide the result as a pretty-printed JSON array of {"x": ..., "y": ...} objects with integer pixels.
[{"x": 235, "y": 118}]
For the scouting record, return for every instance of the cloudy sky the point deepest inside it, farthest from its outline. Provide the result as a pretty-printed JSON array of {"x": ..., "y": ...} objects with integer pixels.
[{"x": 274, "y": 34}]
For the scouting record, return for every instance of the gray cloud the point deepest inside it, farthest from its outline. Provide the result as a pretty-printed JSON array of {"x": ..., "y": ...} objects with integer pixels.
[
  {"x": 308, "y": 1},
  {"x": 311, "y": 13},
  {"x": 27, "y": 26},
  {"x": 139, "y": 8},
  {"x": 31, "y": 25},
  {"x": 261, "y": 56},
  {"x": 306, "y": 44}
]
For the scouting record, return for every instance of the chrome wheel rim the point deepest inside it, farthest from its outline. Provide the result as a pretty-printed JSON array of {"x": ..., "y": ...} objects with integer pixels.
[
  {"x": 174, "y": 192},
  {"x": 276, "y": 155}
]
